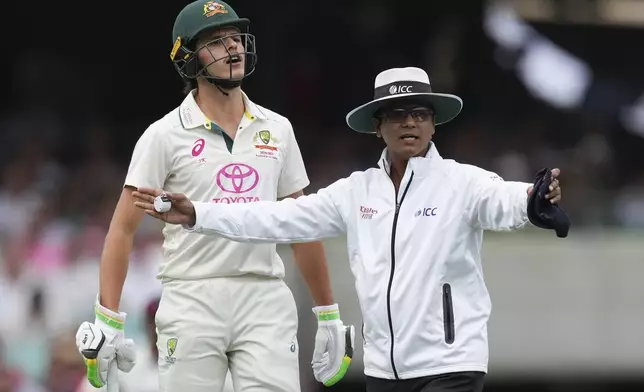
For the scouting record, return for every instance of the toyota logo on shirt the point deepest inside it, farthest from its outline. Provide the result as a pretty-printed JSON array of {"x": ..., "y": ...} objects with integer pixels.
[{"x": 237, "y": 178}]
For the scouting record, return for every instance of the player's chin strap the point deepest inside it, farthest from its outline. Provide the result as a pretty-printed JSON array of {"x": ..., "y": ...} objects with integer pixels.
[
  {"x": 222, "y": 90},
  {"x": 223, "y": 84}
]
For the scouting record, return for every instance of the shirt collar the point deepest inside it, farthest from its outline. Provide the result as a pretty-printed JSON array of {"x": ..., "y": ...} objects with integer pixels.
[
  {"x": 419, "y": 165},
  {"x": 253, "y": 109},
  {"x": 192, "y": 117}
]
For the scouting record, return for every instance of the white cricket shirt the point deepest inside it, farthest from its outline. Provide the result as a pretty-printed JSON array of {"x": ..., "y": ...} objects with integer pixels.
[
  {"x": 184, "y": 152},
  {"x": 415, "y": 256}
]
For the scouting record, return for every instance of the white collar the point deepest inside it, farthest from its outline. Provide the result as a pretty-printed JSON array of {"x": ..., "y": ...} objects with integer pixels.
[
  {"x": 192, "y": 117},
  {"x": 419, "y": 165}
]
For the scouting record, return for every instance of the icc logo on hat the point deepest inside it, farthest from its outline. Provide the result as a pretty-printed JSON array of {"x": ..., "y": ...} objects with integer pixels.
[{"x": 399, "y": 89}]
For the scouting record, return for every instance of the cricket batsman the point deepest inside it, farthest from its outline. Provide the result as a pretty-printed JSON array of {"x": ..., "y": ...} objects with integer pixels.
[{"x": 224, "y": 305}]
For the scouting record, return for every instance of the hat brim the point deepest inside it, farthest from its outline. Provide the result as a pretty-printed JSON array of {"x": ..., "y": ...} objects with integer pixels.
[{"x": 446, "y": 107}]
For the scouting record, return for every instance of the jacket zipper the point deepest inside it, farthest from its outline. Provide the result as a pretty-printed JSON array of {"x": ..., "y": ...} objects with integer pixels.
[
  {"x": 391, "y": 274},
  {"x": 448, "y": 314}
]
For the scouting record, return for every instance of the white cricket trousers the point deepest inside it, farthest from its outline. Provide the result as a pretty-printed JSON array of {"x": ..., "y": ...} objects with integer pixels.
[{"x": 246, "y": 323}]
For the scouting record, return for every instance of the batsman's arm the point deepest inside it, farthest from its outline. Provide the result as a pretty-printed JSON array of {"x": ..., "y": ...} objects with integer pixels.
[
  {"x": 149, "y": 166},
  {"x": 117, "y": 249},
  {"x": 311, "y": 261},
  {"x": 305, "y": 219},
  {"x": 310, "y": 256}
]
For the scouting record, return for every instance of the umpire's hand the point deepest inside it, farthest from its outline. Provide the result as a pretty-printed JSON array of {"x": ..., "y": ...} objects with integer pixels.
[
  {"x": 181, "y": 212},
  {"x": 554, "y": 194}
]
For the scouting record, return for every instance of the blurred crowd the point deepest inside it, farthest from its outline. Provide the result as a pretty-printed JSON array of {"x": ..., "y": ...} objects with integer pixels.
[{"x": 54, "y": 220}]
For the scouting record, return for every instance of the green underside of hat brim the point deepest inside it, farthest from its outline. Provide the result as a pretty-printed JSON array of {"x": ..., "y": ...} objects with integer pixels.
[{"x": 446, "y": 107}]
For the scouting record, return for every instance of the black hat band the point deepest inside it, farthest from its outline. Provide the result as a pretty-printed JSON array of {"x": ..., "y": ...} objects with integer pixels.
[{"x": 402, "y": 87}]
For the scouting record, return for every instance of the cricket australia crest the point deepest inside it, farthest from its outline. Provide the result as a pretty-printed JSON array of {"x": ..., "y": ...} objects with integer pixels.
[
  {"x": 268, "y": 146},
  {"x": 265, "y": 136},
  {"x": 171, "y": 346}
]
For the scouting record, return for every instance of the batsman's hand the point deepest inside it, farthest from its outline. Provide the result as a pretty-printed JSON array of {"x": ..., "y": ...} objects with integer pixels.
[
  {"x": 102, "y": 342},
  {"x": 182, "y": 211},
  {"x": 334, "y": 343},
  {"x": 97, "y": 353}
]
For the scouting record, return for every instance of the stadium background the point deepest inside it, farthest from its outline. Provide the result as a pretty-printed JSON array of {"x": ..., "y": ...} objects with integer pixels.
[{"x": 544, "y": 83}]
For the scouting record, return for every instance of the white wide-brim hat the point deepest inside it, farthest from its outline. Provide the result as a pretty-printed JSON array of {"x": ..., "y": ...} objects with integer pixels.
[{"x": 399, "y": 83}]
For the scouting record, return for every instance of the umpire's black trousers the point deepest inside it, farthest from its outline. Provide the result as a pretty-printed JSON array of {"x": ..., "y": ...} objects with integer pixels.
[{"x": 449, "y": 382}]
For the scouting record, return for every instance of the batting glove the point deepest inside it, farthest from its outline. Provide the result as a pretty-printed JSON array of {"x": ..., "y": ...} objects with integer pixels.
[
  {"x": 103, "y": 342},
  {"x": 334, "y": 344}
]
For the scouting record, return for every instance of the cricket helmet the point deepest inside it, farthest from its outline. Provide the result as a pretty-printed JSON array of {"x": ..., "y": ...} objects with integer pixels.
[{"x": 201, "y": 16}]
